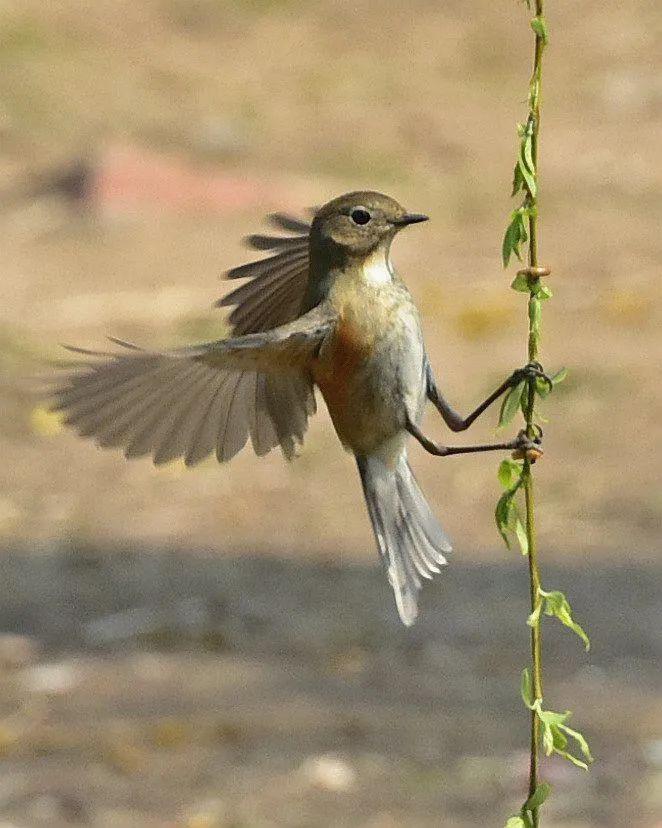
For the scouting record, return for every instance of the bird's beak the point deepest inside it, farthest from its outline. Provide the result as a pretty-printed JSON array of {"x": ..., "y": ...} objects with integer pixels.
[{"x": 410, "y": 218}]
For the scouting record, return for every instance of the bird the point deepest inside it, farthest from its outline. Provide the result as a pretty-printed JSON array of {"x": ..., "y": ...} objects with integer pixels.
[{"x": 326, "y": 309}]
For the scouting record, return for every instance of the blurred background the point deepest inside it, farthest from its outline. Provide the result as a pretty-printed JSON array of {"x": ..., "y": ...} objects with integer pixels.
[{"x": 218, "y": 646}]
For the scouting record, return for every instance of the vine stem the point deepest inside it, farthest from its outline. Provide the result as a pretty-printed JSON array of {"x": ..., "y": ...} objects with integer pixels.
[{"x": 529, "y": 498}]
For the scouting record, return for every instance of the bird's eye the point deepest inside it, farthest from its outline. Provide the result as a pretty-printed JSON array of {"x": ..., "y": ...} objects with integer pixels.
[{"x": 360, "y": 215}]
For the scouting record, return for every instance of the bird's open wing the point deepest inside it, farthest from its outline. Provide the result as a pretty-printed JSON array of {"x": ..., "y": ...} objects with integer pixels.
[
  {"x": 277, "y": 285},
  {"x": 192, "y": 401}
]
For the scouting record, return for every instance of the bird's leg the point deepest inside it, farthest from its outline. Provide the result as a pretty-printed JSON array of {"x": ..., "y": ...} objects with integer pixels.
[
  {"x": 521, "y": 443},
  {"x": 455, "y": 421}
]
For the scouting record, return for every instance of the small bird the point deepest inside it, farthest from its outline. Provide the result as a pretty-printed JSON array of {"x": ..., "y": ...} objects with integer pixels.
[{"x": 326, "y": 308}]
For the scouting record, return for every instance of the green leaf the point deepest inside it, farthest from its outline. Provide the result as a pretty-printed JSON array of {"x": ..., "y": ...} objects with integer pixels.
[
  {"x": 543, "y": 292},
  {"x": 520, "y": 283},
  {"x": 528, "y": 176},
  {"x": 559, "y": 739},
  {"x": 539, "y": 26},
  {"x": 547, "y": 741},
  {"x": 518, "y": 181},
  {"x": 534, "y": 618},
  {"x": 550, "y": 718},
  {"x": 559, "y": 376},
  {"x": 502, "y": 515},
  {"x": 557, "y": 605},
  {"x": 511, "y": 403},
  {"x": 581, "y": 741},
  {"x": 526, "y": 688},
  {"x": 537, "y": 797},
  {"x": 517, "y": 822},
  {"x": 575, "y": 761},
  {"x": 527, "y": 148},
  {"x": 511, "y": 240},
  {"x": 515, "y": 234},
  {"x": 509, "y": 473},
  {"x": 555, "y": 734},
  {"x": 522, "y": 538},
  {"x": 505, "y": 513},
  {"x": 542, "y": 387}
]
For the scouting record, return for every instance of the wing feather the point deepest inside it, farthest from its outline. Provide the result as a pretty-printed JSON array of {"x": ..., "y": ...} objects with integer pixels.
[{"x": 193, "y": 401}]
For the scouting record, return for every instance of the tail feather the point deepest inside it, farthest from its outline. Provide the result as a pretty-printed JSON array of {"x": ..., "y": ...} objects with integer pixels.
[{"x": 410, "y": 540}]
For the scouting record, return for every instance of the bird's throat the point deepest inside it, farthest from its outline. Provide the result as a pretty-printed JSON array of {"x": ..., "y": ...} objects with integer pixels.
[{"x": 377, "y": 269}]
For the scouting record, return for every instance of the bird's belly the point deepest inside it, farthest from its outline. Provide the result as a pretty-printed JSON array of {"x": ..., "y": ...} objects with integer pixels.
[{"x": 370, "y": 373}]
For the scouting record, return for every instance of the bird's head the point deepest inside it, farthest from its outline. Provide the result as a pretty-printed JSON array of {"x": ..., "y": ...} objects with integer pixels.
[{"x": 358, "y": 223}]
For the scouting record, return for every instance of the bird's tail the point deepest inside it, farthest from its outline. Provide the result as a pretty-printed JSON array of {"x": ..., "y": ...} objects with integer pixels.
[{"x": 410, "y": 540}]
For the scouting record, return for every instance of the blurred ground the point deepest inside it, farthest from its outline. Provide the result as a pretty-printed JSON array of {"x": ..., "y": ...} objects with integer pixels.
[
  {"x": 185, "y": 121},
  {"x": 195, "y": 689}
]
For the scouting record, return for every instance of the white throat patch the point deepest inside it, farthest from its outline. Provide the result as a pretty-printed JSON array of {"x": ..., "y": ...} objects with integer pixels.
[{"x": 377, "y": 269}]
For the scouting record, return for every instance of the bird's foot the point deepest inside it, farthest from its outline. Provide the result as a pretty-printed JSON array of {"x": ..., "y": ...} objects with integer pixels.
[
  {"x": 527, "y": 448},
  {"x": 531, "y": 371}
]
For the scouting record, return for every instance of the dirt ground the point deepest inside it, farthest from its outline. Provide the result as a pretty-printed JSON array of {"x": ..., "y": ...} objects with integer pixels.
[
  {"x": 259, "y": 677},
  {"x": 197, "y": 689}
]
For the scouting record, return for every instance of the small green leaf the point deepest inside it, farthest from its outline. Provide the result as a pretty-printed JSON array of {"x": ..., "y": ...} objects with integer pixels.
[
  {"x": 555, "y": 734},
  {"x": 542, "y": 387},
  {"x": 537, "y": 797},
  {"x": 526, "y": 688},
  {"x": 533, "y": 619},
  {"x": 509, "y": 244},
  {"x": 509, "y": 473},
  {"x": 559, "y": 739},
  {"x": 575, "y": 761},
  {"x": 528, "y": 176},
  {"x": 515, "y": 234},
  {"x": 511, "y": 404},
  {"x": 518, "y": 181},
  {"x": 520, "y": 283},
  {"x": 511, "y": 240},
  {"x": 517, "y": 822},
  {"x": 502, "y": 515},
  {"x": 543, "y": 292},
  {"x": 522, "y": 538},
  {"x": 527, "y": 148},
  {"x": 559, "y": 376},
  {"x": 539, "y": 26},
  {"x": 505, "y": 513},
  {"x": 547, "y": 740},
  {"x": 550, "y": 718},
  {"x": 557, "y": 605},
  {"x": 581, "y": 741},
  {"x": 564, "y": 754}
]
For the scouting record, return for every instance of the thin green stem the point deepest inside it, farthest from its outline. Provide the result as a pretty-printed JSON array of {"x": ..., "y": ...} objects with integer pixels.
[
  {"x": 548, "y": 729},
  {"x": 534, "y": 572},
  {"x": 536, "y": 640}
]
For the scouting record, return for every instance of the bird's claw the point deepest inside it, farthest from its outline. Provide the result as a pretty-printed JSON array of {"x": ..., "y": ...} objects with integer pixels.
[
  {"x": 531, "y": 371},
  {"x": 527, "y": 448}
]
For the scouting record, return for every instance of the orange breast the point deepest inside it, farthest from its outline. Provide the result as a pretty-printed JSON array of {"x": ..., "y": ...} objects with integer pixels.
[{"x": 343, "y": 357}]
